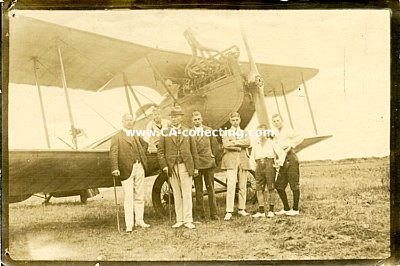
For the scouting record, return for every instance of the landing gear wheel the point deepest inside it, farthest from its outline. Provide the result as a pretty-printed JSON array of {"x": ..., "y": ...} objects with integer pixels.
[
  {"x": 47, "y": 198},
  {"x": 161, "y": 195},
  {"x": 251, "y": 196}
]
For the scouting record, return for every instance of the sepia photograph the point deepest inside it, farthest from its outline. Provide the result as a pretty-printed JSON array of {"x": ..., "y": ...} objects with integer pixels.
[{"x": 198, "y": 135}]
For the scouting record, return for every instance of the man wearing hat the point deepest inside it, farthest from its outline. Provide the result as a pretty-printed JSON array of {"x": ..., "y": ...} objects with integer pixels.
[
  {"x": 177, "y": 155},
  {"x": 236, "y": 162}
]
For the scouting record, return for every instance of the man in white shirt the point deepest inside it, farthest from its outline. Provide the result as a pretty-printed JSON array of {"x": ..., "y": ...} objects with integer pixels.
[
  {"x": 236, "y": 162},
  {"x": 264, "y": 154},
  {"x": 289, "y": 173},
  {"x": 153, "y": 130}
]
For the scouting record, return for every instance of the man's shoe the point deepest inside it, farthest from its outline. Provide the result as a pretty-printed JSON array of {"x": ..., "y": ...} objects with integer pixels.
[
  {"x": 128, "y": 230},
  {"x": 228, "y": 216},
  {"x": 177, "y": 225},
  {"x": 258, "y": 215},
  {"x": 190, "y": 225},
  {"x": 270, "y": 214},
  {"x": 281, "y": 212},
  {"x": 292, "y": 213},
  {"x": 243, "y": 213},
  {"x": 214, "y": 217},
  {"x": 142, "y": 224}
]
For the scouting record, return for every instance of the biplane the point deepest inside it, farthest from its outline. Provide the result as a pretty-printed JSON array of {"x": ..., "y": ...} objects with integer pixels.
[{"x": 213, "y": 82}]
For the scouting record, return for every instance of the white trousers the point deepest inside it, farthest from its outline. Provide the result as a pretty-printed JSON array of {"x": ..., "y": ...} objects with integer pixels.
[
  {"x": 134, "y": 195},
  {"x": 231, "y": 179},
  {"x": 181, "y": 184}
]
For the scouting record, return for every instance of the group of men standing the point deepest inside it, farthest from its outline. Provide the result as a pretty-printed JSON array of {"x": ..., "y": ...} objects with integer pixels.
[{"x": 185, "y": 158}]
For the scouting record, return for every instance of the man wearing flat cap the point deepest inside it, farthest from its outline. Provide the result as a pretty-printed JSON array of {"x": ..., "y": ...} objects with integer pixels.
[{"x": 177, "y": 155}]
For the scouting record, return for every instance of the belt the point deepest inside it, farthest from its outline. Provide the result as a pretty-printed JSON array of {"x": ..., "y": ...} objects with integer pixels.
[
  {"x": 291, "y": 152},
  {"x": 263, "y": 160}
]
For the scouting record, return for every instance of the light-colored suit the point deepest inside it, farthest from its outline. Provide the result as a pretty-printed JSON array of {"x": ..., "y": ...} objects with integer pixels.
[{"x": 236, "y": 161}]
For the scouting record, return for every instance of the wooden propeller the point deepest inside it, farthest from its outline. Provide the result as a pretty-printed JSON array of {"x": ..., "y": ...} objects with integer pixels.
[{"x": 256, "y": 85}]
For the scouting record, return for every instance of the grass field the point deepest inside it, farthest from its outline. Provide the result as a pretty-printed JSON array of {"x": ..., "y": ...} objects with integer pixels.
[{"x": 344, "y": 209}]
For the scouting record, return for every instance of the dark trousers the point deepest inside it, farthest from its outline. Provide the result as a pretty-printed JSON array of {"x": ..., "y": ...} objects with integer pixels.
[
  {"x": 289, "y": 173},
  {"x": 208, "y": 175}
]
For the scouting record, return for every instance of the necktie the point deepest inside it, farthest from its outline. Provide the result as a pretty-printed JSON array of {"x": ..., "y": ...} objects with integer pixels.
[{"x": 178, "y": 137}]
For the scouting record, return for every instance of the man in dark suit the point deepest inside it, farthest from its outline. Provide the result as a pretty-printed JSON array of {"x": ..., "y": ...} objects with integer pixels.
[
  {"x": 128, "y": 164},
  {"x": 178, "y": 157},
  {"x": 207, "y": 148}
]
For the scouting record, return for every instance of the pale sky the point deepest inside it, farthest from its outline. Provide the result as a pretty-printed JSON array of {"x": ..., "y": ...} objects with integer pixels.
[{"x": 350, "y": 96}]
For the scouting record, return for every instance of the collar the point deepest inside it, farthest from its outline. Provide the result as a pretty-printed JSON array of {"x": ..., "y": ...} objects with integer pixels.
[
  {"x": 259, "y": 141},
  {"x": 178, "y": 127},
  {"x": 157, "y": 124},
  {"x": 279, "y": 130}
]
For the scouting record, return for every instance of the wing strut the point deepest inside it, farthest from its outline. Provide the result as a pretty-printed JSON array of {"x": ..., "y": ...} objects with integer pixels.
[
  {"x": 127, "y": 85},
  {"x": 41, "y": 102},
  {"x": 159, "y": 76},
  {"x": 128, "y": 99},
  {"x": 276, "y": 101},
  {"x": 64, "y": 83},
  {"x": 287, "y": 105},
  {"x": 309, "y": 105}
]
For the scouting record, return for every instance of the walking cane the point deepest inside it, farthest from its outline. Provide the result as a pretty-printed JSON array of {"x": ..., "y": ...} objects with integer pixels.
[
  {"x": 116, "y": 204},
  {"x": 169, "y": 197}
]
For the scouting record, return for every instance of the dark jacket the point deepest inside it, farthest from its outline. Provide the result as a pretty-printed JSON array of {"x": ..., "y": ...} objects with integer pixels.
[
  {"x": 124, "y": 151},
  {"x": 170, "y": 148},
  {"x": 207, "y": 148}
]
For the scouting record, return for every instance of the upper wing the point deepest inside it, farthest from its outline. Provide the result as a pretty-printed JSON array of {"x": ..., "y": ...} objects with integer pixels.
[
  {"x": 90, "y": 60},
  {"x": 95, "y": 62}
]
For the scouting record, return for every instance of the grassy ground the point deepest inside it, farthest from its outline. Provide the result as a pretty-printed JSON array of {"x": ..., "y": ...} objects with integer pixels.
[{"x": 344, "y": 215}]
